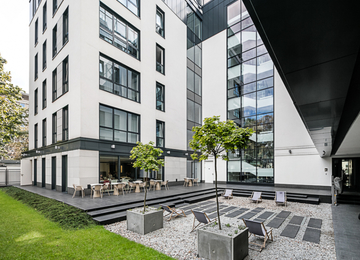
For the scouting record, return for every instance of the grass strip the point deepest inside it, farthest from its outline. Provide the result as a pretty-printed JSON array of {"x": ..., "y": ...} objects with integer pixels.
[
  {"x": 27, "y": 234},
  {"x": 67, "y": 216}
]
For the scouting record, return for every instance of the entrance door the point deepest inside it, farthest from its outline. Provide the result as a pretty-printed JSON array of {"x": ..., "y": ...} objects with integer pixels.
[
  {"x": 43, "y": 172},
  {"x": 35, "y": 172},
  {"x": 53, "y": 173},
  {"x": 209, "y": 171},
  {"x": 64, "y": 173}
]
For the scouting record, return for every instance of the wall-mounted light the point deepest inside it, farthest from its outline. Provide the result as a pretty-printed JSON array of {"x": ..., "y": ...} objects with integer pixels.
[
  {"x": 168, "y": 152},
  {"x": 113, "y": 146},
  {"x": 324, "y": 152},
  {"x": 186, "y": 154},
  {"x": 290, "y": 152},
  {"x": 37, "y": 151}
]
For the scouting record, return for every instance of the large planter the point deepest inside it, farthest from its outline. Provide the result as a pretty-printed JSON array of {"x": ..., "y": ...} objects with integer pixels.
[
  {"x": 214, "y": 245},
  {"x": 144, "y": 223}
]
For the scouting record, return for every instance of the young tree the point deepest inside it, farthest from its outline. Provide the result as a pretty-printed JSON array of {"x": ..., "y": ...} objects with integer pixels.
[
  {"x": 146, "y": 157},
  {"x": 13, "y": 117},
  {"x": 218, "y": 138}
]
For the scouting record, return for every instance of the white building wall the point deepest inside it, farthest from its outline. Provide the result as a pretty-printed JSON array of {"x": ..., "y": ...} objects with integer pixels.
[
  {"x": 303, "y": 166},
  {"x": 175, "y": 168},
  {"x": 214, "y": 90}
]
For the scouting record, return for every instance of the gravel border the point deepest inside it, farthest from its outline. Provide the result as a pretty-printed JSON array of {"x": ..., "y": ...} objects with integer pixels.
[{"x": 175, "y": 239}]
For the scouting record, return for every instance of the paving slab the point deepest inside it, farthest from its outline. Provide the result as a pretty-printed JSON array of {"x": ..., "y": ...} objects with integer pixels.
[
  {"x": 312, "y": 235},
  {"x": 244, "y": 209},
  {"x": 235, "y": 213},
  {"x": 259, "y": 220},
  {"x": 296, "y": 220},
  {"x": 214, "y": 215},
  {"x": 283, "y": 214},
  {"x": 315, "y": 223},
  {"x": 248, "y": 215},
  {"x": 209, "y": 210},
  {"x": 229, "y": 208},
  {"x": 258, "y": 209},
  {"x": 290, "y": 231},
  {"x": 265, "y": 215},
  {"x": 276, "y": 222}
]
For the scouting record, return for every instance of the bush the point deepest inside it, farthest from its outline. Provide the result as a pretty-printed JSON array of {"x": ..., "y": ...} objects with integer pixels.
[{"x": 67, "y": 216}]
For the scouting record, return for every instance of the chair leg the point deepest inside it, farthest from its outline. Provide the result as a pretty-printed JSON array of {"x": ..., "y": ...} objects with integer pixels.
[{"x": 74, "y": 193}]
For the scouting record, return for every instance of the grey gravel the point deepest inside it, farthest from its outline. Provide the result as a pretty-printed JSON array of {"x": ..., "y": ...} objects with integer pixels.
[{"x": 175, "y": 239}]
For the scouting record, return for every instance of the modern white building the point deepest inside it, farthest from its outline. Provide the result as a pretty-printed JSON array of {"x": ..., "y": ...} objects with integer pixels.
[{"x": 105, "y": 74}]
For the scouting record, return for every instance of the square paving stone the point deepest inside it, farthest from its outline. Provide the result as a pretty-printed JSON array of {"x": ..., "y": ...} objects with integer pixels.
[
  {"x": 276, "y": 222},
  {"x": 296, "y": 220},
  {"x": 265, "y": 215},
  {"x": 312, "y": 235},
  {"x": 210, "y": 210},
  {"x": 244, "y": 209},
  {"x": 247, "y": 215},
  {"x": 188, "y": 212},
  {"x": 214, "y": 215},
  {"x": 235, "y": 213},
  {"x": 259, "y": 220},
  {"x": 315, "y": 223},
  {"x": 258, "y": 209},
  {"x": 283, "y": 214},
  {"x": 290, "y": 231}
]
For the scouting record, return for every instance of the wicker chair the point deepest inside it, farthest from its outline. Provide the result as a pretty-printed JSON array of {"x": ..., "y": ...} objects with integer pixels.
[
  {"x": 106, "y": 187},
  {"x": 131, "y": 186},
  {"x": 165, "y": 184},
  {"x": 186, "y": 182},
  {"x": 152, "y": 184},
  {"x": 78, "y": 188},
  {"x": 196, "y": 181},
  {"x": 143, "y": 186},
  {"x": 96, "y": 191}
]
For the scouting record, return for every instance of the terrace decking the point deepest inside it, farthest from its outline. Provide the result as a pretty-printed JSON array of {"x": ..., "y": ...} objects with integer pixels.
[{"x": 111, "y": 209}]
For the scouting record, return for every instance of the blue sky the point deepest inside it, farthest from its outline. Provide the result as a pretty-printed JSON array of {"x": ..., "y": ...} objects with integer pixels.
[{"x": 14, "y": 40}]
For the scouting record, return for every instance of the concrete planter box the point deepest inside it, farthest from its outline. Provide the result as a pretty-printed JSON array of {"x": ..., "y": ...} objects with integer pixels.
[
  {"x": 144, "y": 223},
  {"x": 212, "y": 245}
]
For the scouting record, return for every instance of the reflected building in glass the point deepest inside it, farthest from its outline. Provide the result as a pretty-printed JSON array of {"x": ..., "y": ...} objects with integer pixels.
[{"x": 250, "y": 98}]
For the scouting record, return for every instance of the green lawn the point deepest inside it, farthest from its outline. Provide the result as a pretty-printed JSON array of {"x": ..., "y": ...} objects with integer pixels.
[{"x": 26, "y": 234}]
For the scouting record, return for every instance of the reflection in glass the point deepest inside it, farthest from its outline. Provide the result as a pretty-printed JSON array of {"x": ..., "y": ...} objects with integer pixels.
[{"x": 265, "y": 101}]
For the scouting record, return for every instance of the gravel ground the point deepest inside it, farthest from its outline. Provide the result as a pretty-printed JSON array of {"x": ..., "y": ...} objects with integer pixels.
[{"x": 176, "y": 240}]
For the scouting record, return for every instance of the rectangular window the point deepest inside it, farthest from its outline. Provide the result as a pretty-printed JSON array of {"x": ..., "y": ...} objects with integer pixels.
[
  {"x": 118, "y": 32},
  {"x": 56, "y": 5},
  {"x": 160, "y": 97},
  {"x": 36, "y": 72},
  {"x": 54, "y": 128},
  {"x": 160, "y": 134},
  {"x": 160, "y": 59},
  {"x": 119, "y": 79},
  {"x": 36, "y": 110},
  {"x": 132, "y": 5},
  {"x": 44, "y": 56},
  {"x": 118, "y": 125},
  {"x": 36, "y": 136},
  {"x": 61, "y": 33},
  {"x": 44, "y": 133},
  {"x": 60, "y": 79},
  {"x": 65, "y": 26},
  {"x": 44, "y": 16},
  {"x": 36, "y": 31},
  {"x": 160, "y": 22},
  {"x": 44, "y": 95},
  {"x": 65, "y": 123},
  {"x": 54, "y": 33}
]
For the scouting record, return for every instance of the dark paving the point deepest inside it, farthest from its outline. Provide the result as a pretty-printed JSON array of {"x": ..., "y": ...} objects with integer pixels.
[
  {"x": 259, "y": 220},
  {"x": 312, "y": 235},
  {"x": 346, "y": 231},
  {"x": 258, "y": 209},
  {"x": 265, "y": 215},
  {"x": 235, "y": 213},
  {"x": 296, "y": 220},
  {"x": 214, "y": 215},
  {"x": 283, "y": 214},
  {"x": 210, "y": 209},
  {"x": 229, "y": 208},
  {"x": 248, "y": 215},
  {"x": 315, "y": 223},
  {"x": 276, "y": 222},
  {"x": 290, "y": 231}
]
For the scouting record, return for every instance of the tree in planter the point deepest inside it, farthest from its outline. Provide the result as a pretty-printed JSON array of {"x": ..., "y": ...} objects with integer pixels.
[
  {"x": 146, "y": 157},
  {"x": 218, "y": 138}
]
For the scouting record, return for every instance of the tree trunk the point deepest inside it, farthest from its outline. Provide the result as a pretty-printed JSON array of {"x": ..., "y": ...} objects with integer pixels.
[
  {"x": 216, "y": 191},
  {"x": 147, "y": 173}
]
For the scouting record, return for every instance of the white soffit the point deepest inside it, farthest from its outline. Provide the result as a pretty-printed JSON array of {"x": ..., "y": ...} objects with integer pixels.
[{"x": 351, "y": 143}]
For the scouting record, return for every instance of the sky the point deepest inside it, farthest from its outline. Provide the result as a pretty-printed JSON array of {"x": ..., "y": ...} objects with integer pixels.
[{"x": 14, "y": 40}]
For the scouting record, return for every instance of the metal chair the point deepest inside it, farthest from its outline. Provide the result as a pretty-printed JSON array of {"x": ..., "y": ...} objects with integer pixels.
[{"x": 258, "y": 229}]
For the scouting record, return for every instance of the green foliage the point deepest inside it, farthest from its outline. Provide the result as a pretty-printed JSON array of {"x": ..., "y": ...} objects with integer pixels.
[
  {"x": 218, "y": 138},
  {"x": 146, "y": 156},
  {"x": 215, "y": 137},
  {"x": 67, "y": 216},
  {"x": 236, "y": 231},
  {"x": 13, "y": 117},
  {"x": 26, "y": 234},
  {"x": 227, "y": 225}
]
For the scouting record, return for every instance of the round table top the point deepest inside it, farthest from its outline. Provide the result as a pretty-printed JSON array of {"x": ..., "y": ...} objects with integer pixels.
[
  {"x": 96, "y": 184},
  {"x": 137, "y": 181}
]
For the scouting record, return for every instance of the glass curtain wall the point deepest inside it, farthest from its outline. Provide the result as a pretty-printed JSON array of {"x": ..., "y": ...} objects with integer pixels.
[
  {"x": 194, "y": 83},
  {"x": 250, "y": 98}
]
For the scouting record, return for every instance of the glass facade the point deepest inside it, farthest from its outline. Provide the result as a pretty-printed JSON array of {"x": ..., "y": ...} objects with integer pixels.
[{"x": 250, "y": 98}]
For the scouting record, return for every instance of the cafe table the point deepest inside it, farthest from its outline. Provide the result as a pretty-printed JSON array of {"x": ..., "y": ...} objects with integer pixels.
[
  {"x": 97, "y": 193},
  {"x": 190, "y": 181},
  {"x": 137, "y": 189},
  {"x": 158, "y": 184}
]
